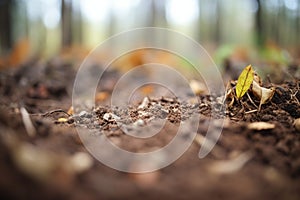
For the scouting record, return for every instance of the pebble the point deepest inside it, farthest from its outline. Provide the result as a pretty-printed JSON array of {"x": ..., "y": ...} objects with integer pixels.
[
  {"x": 143, "y": 113},
  {"x": 81, "y": 162},
  {"x": 110, "y": 116},
  {"x": 107, "y": 116},
  {"x": 82, "y": 113},
  {"x": 139, "y": 122},
  {"x": 297, "y": 124}
]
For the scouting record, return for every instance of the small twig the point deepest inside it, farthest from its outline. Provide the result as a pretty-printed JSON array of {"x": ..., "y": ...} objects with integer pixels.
[
  {"x": 51, "y": 112},
  {"x": 251, "y": 100},
  {"x": 251, "y": 111},
  {"x": 293, "y": 96},
  {"x": 234, "y": 118},
  {"x": 27, "y": 122}
]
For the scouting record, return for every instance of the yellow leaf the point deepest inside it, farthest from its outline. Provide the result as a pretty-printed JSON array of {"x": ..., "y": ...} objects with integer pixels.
[{"x": 244, "y": 82}]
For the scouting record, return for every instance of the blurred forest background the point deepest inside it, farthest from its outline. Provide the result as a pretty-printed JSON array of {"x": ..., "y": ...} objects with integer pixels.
[{"x": 46, "y": 28}]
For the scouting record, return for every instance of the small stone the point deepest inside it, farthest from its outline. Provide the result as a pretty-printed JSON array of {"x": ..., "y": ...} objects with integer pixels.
[
  {"x": 88, "y": 115},
  {"x": 81, "y": 162},
  {"x": 167, "y": 99},
  {"x": 139, "y": 122},
  {"x": 107, "y": 116},
  {"x": 144, "y": 103},
  {"x": 297, "y": 124},
  {"x": 82, "y": 113},
  {"x": 175, "y": 110},
  {"x": 143, "y": 113},
  {"x": 70, "y": 120},
  {"x": 110, "y": 116}
]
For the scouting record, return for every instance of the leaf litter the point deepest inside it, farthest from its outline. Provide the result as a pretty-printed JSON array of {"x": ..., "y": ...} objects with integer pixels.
[{"x": 258, "y": 151}]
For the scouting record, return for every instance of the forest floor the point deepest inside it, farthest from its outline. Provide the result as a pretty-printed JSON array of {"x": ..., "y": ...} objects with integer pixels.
[{"x": 246, "y": 163}]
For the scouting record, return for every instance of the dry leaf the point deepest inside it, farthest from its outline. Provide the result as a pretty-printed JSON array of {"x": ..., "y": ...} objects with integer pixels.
[
  {"x": 244, "y": 81},
  {"x": 260, "y": 126},
  {"x": 264, "y": 94},
  {"x": 256, "y": 89}
]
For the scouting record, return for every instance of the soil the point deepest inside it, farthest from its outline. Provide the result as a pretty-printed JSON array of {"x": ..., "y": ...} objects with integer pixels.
[{"x": 271, "y": 169}]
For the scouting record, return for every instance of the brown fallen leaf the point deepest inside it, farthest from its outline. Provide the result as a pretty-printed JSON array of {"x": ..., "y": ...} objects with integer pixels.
[{"x": 266, "y": 95}]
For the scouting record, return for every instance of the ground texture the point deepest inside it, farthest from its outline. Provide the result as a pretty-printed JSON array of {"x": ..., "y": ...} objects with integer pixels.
[{"x": 246, "y": 163}]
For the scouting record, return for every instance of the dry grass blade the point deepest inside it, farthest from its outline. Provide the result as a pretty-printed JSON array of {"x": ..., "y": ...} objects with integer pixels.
[
  {"x": 244, "y": 81},
  {"x": 27, "y": 122}
]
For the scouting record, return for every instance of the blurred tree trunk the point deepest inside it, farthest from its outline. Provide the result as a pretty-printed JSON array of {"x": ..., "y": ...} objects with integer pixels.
[
  {"x": 66, "y": 17},
  {"x": 77, "y": 27},
  {"x": 150, "y": 20},
  {"x": 157, "y": 14},
  {"x": 259, "y": 25},
  {"x": 160, "y": 13},
  {"x": 298, "y": 26},
  {"x": 200, "y": 19},
  {"x": 112, "y": 23},
  {"x": 6, "y": 24},
  {"x": 218, "y": 24},
  {"x": 280, "y": 23}
]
